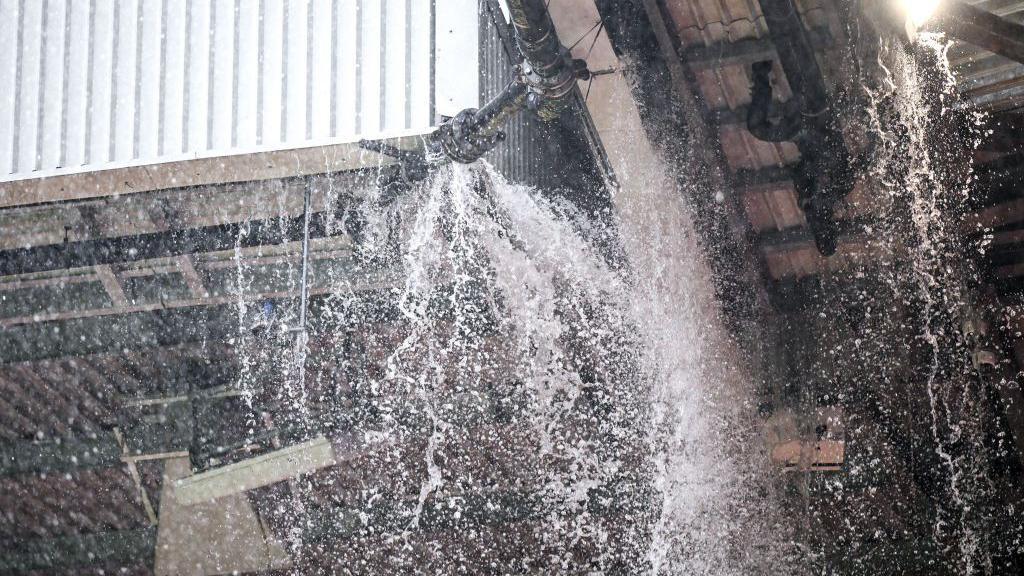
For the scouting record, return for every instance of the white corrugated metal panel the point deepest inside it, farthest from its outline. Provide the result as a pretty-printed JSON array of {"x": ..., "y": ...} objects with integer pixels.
[
  {"x": 93, "y": 84},
  {"x": 454, "y": 45}
]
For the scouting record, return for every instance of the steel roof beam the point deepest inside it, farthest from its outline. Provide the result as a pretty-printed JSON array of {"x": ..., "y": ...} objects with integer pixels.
[
  {"x": 28, "y": 457},
  {"x": 124, "y": 548},
  {"x": 257, "y": 166},
  {"x": 123, "y": 249},
  {"x": 747, "y": 51},
  {"x": 980, "y": 28},
  {"x": 150, "y": 329}
]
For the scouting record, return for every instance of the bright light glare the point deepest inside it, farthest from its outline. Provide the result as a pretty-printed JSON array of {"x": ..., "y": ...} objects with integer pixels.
[{"x": 919, "y": 11}]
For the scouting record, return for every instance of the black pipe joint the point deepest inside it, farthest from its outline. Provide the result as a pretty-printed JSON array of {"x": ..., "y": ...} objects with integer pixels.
[
  {"x": 825, "y": 174},
  {"x": 548, "y": 88},
  {"x": 460, "y": 139}
]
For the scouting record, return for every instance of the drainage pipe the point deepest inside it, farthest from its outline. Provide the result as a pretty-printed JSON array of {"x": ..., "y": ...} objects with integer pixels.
[
  {"x": 786, "y": 29},
  {"x": 543, "y": 81},
  {"x": 825, "y": 173}
]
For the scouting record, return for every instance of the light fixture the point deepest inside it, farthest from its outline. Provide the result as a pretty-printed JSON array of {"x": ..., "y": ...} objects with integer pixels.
[{"x": 919, "y": 11}]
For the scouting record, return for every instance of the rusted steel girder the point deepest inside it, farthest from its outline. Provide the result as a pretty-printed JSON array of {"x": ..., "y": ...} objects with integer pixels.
[{"x": 980, "y": 28}]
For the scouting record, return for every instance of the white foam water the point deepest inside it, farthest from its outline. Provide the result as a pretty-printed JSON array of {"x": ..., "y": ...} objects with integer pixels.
[
  {"x": 598, "y": 407},
  {"x": 672, "y": 443},
  {"x": 923, "y": 171}
]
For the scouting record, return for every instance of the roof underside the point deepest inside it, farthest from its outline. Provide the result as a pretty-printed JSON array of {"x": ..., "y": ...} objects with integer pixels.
[{"x": 112, "y": 338}]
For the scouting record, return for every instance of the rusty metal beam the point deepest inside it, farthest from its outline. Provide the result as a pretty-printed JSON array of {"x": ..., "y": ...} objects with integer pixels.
[
  {"x": 746, "y": 51},
  {"x": 980, "y": 28}
]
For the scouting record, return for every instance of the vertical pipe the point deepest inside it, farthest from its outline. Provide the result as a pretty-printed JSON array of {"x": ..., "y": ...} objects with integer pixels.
[
  {"x": 536, "y": 36},
  {"x": 306, "y": 210},
  {"x": 786, "y": 29},
  {"x": 302, "y": 336}
]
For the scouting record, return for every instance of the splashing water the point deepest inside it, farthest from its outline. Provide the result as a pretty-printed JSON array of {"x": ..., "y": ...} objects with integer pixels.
[
  {"x": 921, "y": 166},
  {"x": 522, "y": 378},
  {"x": 498, "y": 289}
]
